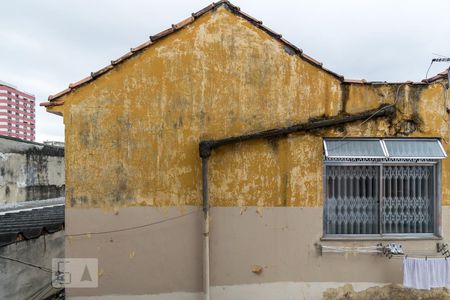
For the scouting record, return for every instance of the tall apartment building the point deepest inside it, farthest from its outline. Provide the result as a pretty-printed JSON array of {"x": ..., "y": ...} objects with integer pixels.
[{"x": 17, "y": 112}]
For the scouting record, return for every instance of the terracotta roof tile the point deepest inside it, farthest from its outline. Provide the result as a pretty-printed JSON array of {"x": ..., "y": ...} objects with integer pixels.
[
  {"x": 312, "y": 60},
  {"x": 80, "y": 82},
  {"x": 441, "y": 75},
  {"x": 247, "y": 16},
  {"x": 206, "y": 9},
  {"x": 183, "y": 23},
  {"x": 162, "y": 34},
  {"x": 141, "y": 46},
  {"x": 287, "y": 43},
  {"x": 101, "y": 71},
  {"x": 355, "y": 81},
  {"x": 270, "y": 31},
  {"x": 335, "y": 74},
  {"x": 236, "y": 10},
  {"x": 52, "y": 103},
  {"x": 122, "y": 58},
  {"x": 50, "y": 98}
]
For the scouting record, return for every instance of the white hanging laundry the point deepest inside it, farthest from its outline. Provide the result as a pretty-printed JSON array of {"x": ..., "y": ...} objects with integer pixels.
[
  {"x": 438, "y": 269},
  {"x": 416, "y": 273},
  {"x": 423, "y": 274}
]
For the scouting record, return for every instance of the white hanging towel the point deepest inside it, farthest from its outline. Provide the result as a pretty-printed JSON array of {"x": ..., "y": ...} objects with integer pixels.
[
  {"x": 423, "y": 274},
  {"x": 438, "y": 268}
]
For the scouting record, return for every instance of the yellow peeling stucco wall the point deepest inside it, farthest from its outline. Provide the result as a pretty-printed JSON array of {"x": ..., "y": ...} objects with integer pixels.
[{"x": 132, "y": 134}]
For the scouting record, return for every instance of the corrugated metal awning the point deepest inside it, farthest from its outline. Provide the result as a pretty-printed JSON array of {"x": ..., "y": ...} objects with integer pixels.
[{"x": 384, "y": 148}]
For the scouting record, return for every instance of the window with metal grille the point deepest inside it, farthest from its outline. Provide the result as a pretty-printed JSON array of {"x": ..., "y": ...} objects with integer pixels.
[{"x": 392, "y": 189}]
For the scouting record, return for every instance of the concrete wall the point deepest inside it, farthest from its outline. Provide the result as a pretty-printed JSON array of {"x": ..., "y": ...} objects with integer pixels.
[
  {"x": 30, "y": 171},
  {"x": 19, "y": 281}
]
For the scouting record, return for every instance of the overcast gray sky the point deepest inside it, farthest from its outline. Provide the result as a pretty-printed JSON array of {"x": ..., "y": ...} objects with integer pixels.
[{"x": 47, "y": 44}]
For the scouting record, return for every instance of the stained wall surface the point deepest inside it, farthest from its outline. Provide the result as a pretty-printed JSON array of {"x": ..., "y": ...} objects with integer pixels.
[
  {"x": 132, "y": 157},
  {"x": 30, "y": 171},
  {"x": 136, "y": 129}
]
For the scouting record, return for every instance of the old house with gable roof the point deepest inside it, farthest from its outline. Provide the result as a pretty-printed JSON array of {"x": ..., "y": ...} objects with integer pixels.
[{"x": 218, "y": 159}]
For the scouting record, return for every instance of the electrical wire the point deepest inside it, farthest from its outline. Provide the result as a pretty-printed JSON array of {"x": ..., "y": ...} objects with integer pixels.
[
  {"x": 134, "y": 227},
  {"x": 437, "y": 54},
  {"x": 370, "y": 117},
  {"x": 426, "y": 75},
  {"x": 391, "y": 105},
  {"x": 27, "y": 263}
]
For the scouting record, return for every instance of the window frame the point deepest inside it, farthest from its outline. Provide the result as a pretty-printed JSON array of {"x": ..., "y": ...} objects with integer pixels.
[
  {"x": 383, "y": 147},
  {"x": 368, "y": 161}
]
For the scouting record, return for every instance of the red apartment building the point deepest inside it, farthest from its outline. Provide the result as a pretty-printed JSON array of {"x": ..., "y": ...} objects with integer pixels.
[{"x": 17, "y": 112}]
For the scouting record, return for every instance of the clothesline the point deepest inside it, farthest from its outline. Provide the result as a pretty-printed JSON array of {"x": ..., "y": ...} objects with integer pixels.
[
  {"x": 419, "y": 256},
  {"x": 378, "y": 249}
]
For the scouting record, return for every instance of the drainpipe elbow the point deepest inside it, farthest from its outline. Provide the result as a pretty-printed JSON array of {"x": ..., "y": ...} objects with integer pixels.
[{"x": 205, "y": 148}]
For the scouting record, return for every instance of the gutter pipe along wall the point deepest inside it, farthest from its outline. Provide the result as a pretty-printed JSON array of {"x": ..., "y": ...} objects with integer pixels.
[{"x": 206, "y": 147}]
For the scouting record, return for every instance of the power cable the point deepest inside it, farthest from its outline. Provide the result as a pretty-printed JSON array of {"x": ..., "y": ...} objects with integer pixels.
[
  {"x": 428, "y": 70},
  {"x": 134, "y": 227},
  {"x": 370, "y": 117},
  {"x": 27, "y": 264},
  {"x": 437, "y": 54}
]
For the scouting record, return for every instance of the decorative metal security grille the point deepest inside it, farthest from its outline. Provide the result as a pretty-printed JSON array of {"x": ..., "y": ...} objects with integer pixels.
[
  {"x": 352, "y": 199},
  {"x": 408, "y": 199}
]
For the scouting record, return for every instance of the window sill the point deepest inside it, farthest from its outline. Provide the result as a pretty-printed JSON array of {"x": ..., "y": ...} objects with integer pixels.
[{"x": 382, "y": 238}]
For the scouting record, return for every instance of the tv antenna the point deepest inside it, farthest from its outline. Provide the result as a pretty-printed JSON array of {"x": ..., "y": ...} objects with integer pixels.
[{"x": 440, "y": 59}]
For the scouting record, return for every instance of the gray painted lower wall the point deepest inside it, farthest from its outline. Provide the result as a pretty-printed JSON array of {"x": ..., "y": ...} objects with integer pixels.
[
  {"x": 165, "y": 260},
  {"x": 19, "y": 281}
]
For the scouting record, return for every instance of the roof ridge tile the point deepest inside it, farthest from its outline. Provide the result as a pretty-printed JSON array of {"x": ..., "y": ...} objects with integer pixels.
[
  {"x": 177, "y": 26},
  {"x": 162, "y": 34},
  {"x": 141, "y": 46},
  {"x": 122, "y": 58}
]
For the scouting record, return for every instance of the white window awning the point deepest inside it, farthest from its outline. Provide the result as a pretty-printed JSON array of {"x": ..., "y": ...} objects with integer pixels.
[{"x": 384, "y": 148}]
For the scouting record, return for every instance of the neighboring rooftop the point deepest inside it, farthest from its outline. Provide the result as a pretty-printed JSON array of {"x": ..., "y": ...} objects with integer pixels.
[
  {"x": 54, "y": 143},
  {"x": 30, "y": 220},
  {"x": 4, "y": 83},
  {"x": 439, "y": 76},
  {"x": 12, "y": 86},
  {"x": 10, "y": 144}
]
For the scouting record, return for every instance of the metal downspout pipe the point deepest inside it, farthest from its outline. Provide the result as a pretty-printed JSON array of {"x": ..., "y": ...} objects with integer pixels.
[
  {"x": 205, "y": 148},
  {"x": 205, "y": 152}
]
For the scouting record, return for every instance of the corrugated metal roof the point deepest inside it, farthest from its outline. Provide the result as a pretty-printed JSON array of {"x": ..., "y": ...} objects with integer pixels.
[{"x": 29, "y": 223}]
